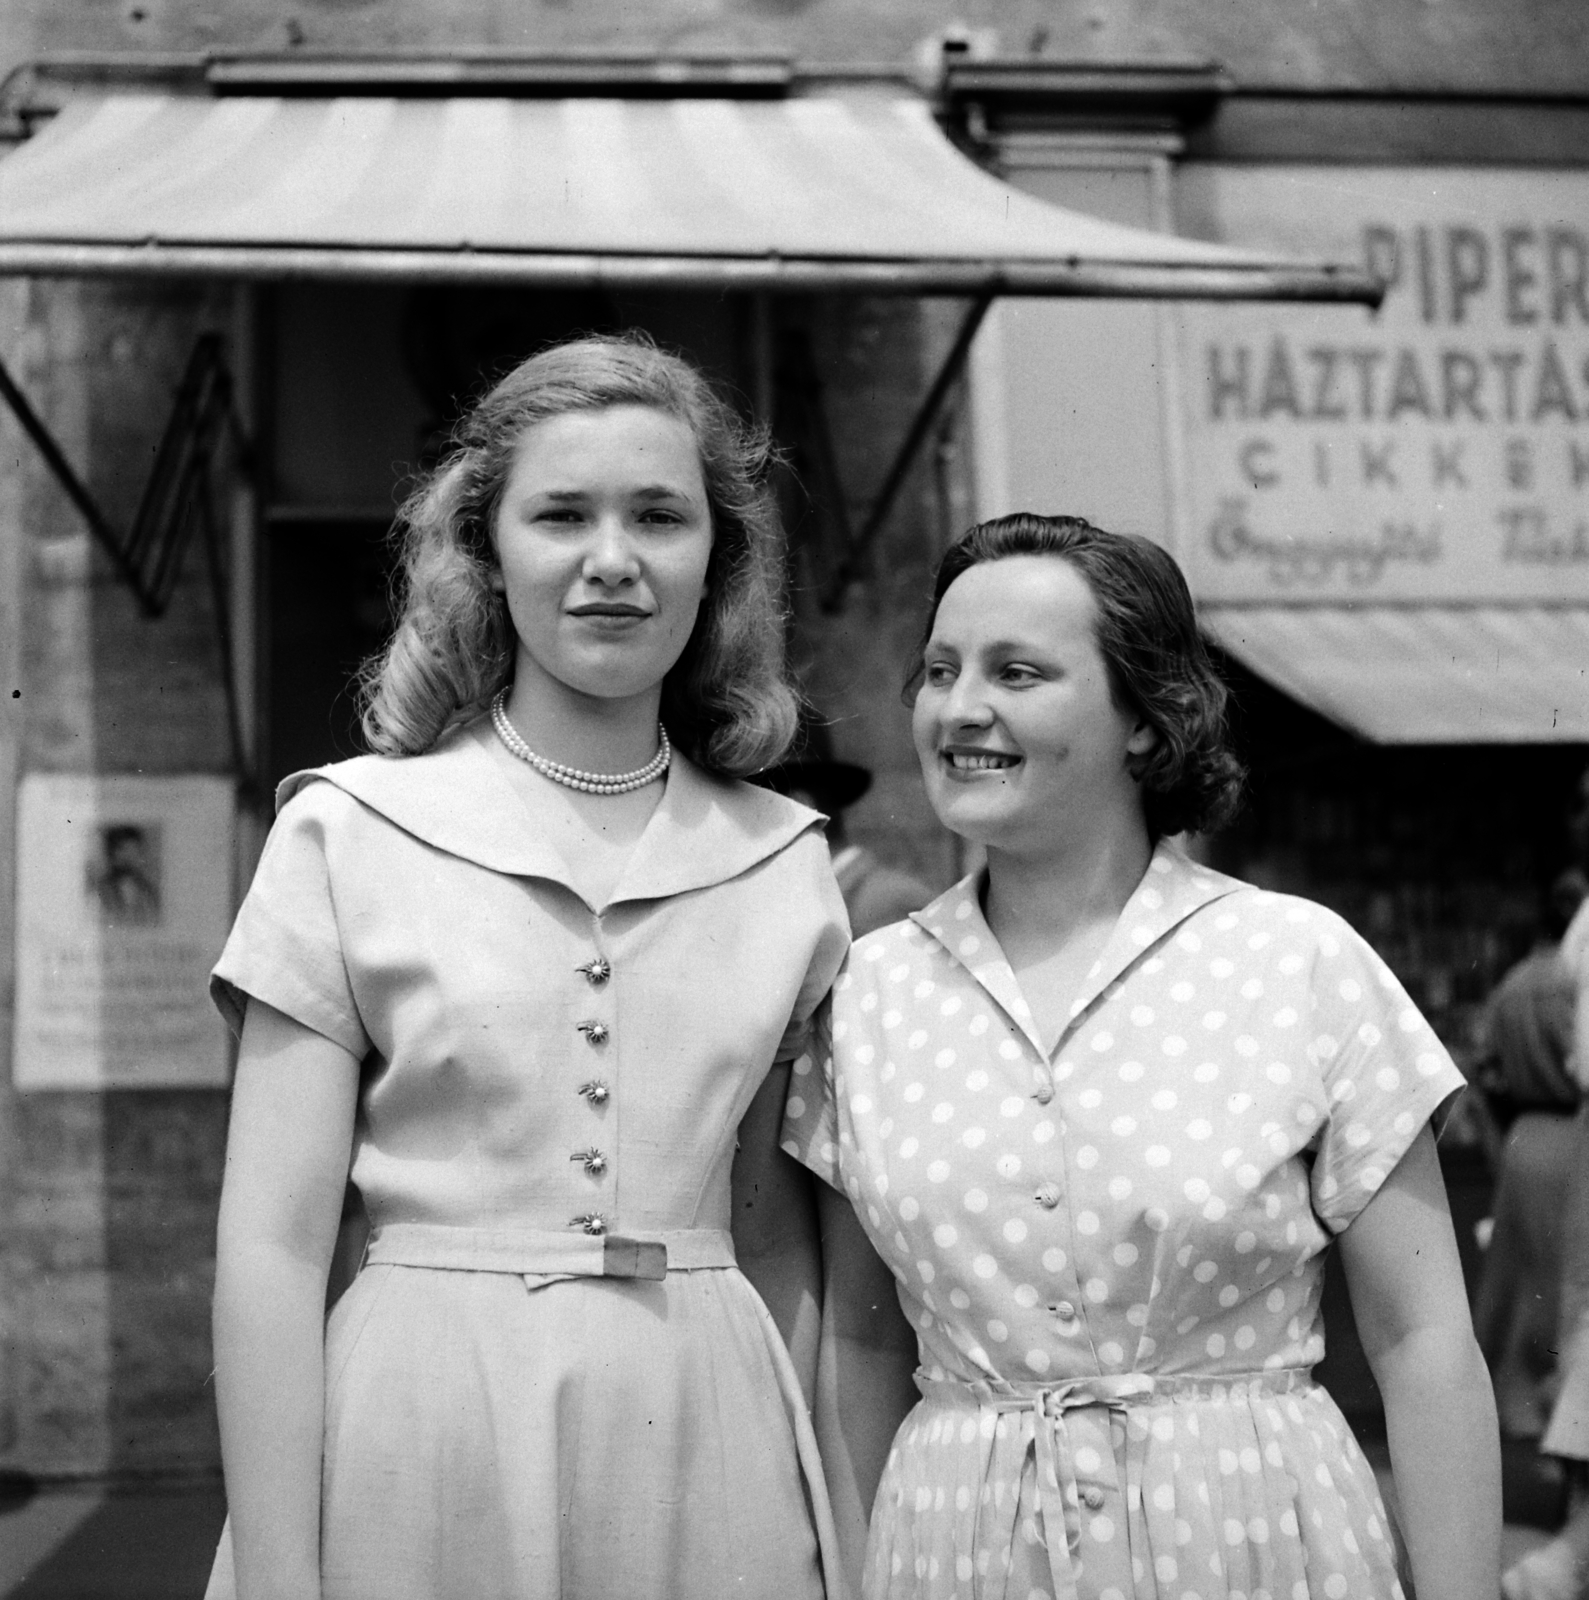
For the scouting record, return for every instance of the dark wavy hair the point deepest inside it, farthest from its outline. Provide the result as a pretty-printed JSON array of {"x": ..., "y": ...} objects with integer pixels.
[
  {"x": 1158, "y": 665},
  {"x": 728, "y": 702}
]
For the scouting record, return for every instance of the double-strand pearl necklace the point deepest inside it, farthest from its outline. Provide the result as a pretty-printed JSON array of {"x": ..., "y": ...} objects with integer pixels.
[{"x": 572, "y": 777}]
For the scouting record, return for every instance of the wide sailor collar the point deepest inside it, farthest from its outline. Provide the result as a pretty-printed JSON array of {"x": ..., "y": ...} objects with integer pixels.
[
  {"x": 456, "y": 798},
  {"x": 1171, "y": 889}
]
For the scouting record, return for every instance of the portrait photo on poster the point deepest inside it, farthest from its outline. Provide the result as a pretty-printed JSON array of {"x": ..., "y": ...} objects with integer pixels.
[
  {"x": 122, "y": 873},
  {"x": 125, "y": 886}
]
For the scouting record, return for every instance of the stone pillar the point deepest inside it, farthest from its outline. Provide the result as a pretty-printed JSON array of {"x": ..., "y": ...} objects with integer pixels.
[{"x": 107, "y": 1199}]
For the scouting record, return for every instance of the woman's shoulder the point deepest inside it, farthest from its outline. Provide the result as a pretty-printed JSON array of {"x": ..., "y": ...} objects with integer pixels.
[
  {"x": 737, "y": 824},
  {"x": 878, "y": 955},
  {"x": 1274, "y": 913},
  {"x": 347, "y": 808},
  {"x": 1308, "y": 942},
  {"x": 350, "y": 792},
  {"x": 753, "y": 806},
  {"x": 330, "y": 788}
]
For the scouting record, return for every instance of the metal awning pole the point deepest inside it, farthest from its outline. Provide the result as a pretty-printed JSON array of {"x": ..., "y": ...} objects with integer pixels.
[
  {"x": 76, "y": 489},
  {"x": 855, "y": 559}
]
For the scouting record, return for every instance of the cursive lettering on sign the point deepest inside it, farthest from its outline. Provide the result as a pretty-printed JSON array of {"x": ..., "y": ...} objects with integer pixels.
[{"x": 1301, "y": 560}]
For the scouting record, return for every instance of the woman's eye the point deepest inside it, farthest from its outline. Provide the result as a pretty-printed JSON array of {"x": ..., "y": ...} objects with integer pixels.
[
  {"x": 1015, "y": 672},
  {"x": 938, "y": 673}
]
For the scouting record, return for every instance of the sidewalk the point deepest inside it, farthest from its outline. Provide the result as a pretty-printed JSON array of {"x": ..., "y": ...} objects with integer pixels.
[
  {"x": 82, "y": 1543},
  {"x": 93, "y": 1542}
]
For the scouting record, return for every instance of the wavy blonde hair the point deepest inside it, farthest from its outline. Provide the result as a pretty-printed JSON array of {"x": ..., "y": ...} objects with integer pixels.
[{"x": 728, "y": 702}]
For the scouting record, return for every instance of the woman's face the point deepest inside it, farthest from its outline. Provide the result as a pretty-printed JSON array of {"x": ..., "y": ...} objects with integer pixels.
[
  {"x": 1020, "y": 740},
  {"x": 603, "y": 535}
]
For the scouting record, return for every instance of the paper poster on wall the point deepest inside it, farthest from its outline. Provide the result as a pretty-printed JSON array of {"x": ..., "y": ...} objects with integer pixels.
[
  {"x": 124, "y": 898},
  {"x": 1435, "y": 450}
]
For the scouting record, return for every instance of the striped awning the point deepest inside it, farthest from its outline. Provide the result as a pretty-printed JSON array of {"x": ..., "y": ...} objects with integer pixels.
[
  {"x": 1423, "y": 674},
  {"x": 856, "y": 191}
]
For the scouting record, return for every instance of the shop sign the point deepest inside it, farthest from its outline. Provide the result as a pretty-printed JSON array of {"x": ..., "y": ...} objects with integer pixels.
[
  {"x": 124, "y": 896},
  {"x": 1437, "y": 449}
]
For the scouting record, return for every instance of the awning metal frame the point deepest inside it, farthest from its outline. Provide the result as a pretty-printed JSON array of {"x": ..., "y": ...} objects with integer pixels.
[
  {"x": 148, "y": 557},
  {"x": 1070, "y": 279},
  {"x": 855, "y": 561}
]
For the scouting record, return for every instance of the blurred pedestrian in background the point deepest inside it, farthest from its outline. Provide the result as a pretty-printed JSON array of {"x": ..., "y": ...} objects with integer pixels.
[
  {"x": 875, "y": 894},
  {"x": 1560, "y": 1570},
  {"x": 1526, "y": 1039},
  {"x": 1527, "y": 1027}
]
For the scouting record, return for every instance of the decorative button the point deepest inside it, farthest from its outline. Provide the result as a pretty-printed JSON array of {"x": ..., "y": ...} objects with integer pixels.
[
  {"x": 1093, "y": 1496},
  {"x": 597, "y": 971},
  {"x": 1043, "y": 1093},
  {"x": 1047, "y": 1196},
  {"x": 591, "y": 1221},
  {"x": 595, "y": 1161},
  {"x": 1064, "y": 1310},
  {"x": 595, "y": 1091},
  {"x": 594, "y": 1032}
]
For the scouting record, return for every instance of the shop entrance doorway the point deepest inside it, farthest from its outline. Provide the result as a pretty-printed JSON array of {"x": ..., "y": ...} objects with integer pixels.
[{"x": 365, "y": 384}]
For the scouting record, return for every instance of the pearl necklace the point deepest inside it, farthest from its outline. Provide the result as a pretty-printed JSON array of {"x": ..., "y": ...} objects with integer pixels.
[{"x": 572, "y": 777}]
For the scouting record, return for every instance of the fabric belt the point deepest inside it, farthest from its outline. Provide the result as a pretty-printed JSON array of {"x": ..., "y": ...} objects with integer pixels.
[
  {"x": 526, "y": 1252},
  {"x": 1114, "y": 1393}
]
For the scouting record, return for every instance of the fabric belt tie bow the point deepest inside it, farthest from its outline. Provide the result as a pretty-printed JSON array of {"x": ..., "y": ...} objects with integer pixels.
[{"x": 1113, "y": 1394}]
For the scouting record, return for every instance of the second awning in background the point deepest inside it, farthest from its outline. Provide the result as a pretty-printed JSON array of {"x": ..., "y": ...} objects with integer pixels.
[{"x": 1423, "y": 674}]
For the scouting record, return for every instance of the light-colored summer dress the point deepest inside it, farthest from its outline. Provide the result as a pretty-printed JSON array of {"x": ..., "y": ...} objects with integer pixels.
[
  {"x": 1113, "y": 1254},
  {"x": 549, "y": 1379}
]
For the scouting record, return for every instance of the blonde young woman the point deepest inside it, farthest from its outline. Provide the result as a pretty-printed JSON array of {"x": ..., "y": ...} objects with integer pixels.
[
  {"x": 535, "y": 970},
  {"x": 1096, "y": 1114}
]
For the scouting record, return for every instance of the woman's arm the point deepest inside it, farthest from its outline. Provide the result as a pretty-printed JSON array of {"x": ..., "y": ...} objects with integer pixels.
[
  {"x": 775, "y": 1227},
  {"x": 1411, "y": 1307},
  {"x": 287, "y": 1153},
  {"x": 864, "y": 1374}
]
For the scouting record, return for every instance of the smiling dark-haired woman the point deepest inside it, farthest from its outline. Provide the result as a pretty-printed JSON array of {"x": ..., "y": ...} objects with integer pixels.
[{"x": 1096, "y": 1114}]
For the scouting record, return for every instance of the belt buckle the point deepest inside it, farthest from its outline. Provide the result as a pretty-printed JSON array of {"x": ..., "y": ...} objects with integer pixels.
[{"x": 633, "y": 1258}]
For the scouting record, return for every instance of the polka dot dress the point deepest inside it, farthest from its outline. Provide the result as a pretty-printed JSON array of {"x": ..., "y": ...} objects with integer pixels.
[{"x": 1112, "y": 1255}]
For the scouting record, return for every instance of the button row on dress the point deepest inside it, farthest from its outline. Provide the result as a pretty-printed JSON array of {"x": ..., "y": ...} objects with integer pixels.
[
  {"x": 1064, "y": 1310},
  {"x": 1092, "y": 1496},
  {"x": 596, "y": 972},
  {"x": 1047, "y": 1196}
]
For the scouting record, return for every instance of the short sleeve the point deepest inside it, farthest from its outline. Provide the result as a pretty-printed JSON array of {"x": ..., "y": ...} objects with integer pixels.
[
  {"x": 811, "y": 1120},
  {"x": 285, "y": 947},
  {"x": 827, "y": 955},
  {"x": 1385, "y": 1074}
]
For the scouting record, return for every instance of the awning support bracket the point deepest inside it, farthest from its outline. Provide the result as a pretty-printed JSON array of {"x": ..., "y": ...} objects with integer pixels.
[
  {"x": 853, "y": 565},
  {"x": 148, "y": 558}
]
